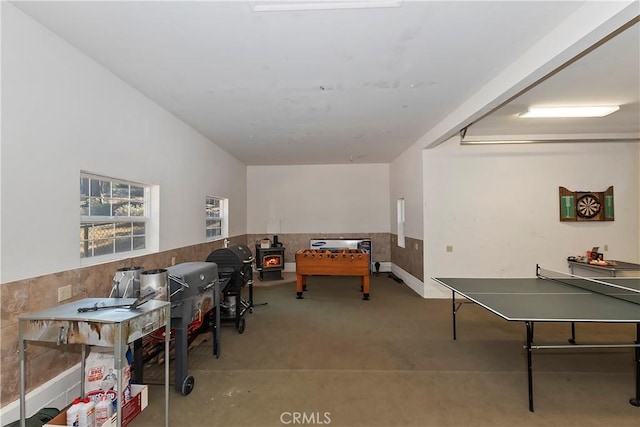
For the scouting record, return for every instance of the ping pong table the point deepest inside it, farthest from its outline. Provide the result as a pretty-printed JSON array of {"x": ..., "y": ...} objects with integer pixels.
[{"x": 555, "y": 297}]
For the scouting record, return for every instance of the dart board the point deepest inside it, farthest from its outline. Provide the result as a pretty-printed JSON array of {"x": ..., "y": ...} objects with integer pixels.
[{"x": 588, "y": 205}]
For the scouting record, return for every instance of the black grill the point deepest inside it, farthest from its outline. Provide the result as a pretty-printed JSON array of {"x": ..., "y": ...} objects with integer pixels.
[
  {"x": 235, "y": 263},
  {"x": 191, "y": 291}
]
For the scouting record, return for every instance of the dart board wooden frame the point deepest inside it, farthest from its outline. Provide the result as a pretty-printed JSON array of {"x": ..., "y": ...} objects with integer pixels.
[{"x": 586, "y": 205}]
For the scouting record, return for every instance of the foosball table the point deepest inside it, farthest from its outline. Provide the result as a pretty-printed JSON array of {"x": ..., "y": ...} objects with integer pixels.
[{"x": 334, "y": 262}]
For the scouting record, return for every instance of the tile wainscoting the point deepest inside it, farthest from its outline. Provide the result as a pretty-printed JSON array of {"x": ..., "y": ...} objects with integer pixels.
[
  {"x": 293, "y": 242},
  {"x": 46, "y": 361},
  {"x": 410, "y": 258}
]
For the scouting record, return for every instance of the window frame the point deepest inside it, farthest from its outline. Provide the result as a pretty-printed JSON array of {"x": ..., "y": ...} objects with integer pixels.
[
  {"x": 223, "y": 217},
  {"x": 114, "y": 221},
  {"x": 400, "y": 216}
]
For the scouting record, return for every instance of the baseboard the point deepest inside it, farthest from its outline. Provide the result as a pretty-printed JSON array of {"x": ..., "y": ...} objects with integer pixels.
[
  {"x": 56, "y": 393},
  {"x": 411, "y": 281},
  {"x": 419, "y": 287},
  {"x": 425, "y": 290},
  {"x": 435, "y": 290}
]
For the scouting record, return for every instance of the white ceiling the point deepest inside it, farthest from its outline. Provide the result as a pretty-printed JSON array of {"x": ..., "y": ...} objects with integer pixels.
[
  {"x": 340, "y": 86},
  {"x": 607, "y": 75}
]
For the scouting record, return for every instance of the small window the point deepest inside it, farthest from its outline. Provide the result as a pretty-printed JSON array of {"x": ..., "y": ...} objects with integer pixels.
[
  {"x": 400, "y": 214},
  {"x": 216, "y": 218},
  {"x": 113, "y": 216}
]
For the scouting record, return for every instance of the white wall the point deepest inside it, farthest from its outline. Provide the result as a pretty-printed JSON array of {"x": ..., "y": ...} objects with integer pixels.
[
  {"x": 350, "y": 198},
  {"x": 63, "y": 113},
  {"x": 498, "y": 206},
  {"x": 406, "y": 183}
]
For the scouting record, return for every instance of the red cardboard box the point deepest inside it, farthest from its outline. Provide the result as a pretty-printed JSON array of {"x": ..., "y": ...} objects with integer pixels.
[{"x": 138, "y": 402}]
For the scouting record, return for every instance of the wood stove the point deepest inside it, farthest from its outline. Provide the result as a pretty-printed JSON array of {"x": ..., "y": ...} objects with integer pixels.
[{"x": 269, "y": 262}]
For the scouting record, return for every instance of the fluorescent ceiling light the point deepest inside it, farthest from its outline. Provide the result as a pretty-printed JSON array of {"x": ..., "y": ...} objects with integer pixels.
[
  {"x": 283, "y": 6},
  {"x": 554, "y": 112},
  {"x": 548, "y": 138}
]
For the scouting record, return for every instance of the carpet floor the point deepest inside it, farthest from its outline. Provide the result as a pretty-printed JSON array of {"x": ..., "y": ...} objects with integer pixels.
[{"x": 334, "y": 359}]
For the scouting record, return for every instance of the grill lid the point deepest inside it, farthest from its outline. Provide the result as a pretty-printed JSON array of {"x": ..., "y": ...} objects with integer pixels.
[
  {"x": 233, "y": 256},
  {"x": 198, "y": 277}
]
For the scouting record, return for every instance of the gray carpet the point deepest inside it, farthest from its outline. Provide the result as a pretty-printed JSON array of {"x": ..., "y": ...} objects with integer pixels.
[{"x": 333, "y": 359}]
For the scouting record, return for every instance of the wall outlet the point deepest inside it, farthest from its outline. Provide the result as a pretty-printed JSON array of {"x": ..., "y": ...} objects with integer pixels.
[
  {"x": 64, "y": 293},
  {"x": 173, "y": 260},
  {"x": 605, "y": 248},
  {"x": 416, "y": 246},
  {"x": 449, "y": 248}
]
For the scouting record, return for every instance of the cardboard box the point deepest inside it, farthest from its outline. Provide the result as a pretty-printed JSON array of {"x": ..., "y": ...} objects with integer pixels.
[{"x": 139, "y": 401}]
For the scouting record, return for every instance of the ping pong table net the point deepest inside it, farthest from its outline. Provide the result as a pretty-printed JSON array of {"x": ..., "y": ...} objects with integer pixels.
[{"x": 627, "y": 289}]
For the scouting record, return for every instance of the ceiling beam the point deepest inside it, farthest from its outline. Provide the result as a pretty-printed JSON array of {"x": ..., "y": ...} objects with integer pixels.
[{"x": 587, "y": 28}]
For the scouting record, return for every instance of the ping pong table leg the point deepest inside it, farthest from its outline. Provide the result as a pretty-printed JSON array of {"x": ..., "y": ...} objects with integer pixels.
[
  {"x": 636, "y": 400},
  {"x": 572, "y": 340},
  {"x": 453, "y": 311},
  {"x": 529, "y": 326}
]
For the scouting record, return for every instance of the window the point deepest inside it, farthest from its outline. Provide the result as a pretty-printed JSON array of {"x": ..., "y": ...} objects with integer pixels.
[
  {"x": 216, "y": 218},
  {"x": 400, "y": 215},
  {"x": 113, "y": 216}
]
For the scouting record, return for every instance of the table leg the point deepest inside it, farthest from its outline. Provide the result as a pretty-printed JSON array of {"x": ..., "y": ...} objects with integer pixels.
[
  {"x": 453, "y": 311},
  {"x": 83, "y": 357},
  {"x": 636, "y": 400},
  {"x": 572, "y": 340},
  {"x": 365, "y": 287},
  {"x": 529, "y": 326},
  {"x": 299, "y": 285},
  {"x": 119, "y": 360},
  {"x": 22, "y": 350}
]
